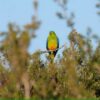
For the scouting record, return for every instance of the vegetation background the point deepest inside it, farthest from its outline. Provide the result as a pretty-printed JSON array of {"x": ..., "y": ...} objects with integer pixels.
[{"x": 75, "y": 74}]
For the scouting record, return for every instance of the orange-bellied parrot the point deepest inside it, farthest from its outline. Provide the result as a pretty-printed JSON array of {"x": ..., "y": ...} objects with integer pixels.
[{"x": 52, "y": 44}]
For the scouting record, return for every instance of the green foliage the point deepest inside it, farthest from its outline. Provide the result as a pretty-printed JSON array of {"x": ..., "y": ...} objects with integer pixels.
[
  {"x": 75, "y": 75},
  {"x": 98, "y": 7}
]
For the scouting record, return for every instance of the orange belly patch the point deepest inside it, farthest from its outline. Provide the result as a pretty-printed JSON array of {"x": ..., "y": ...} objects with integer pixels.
[{"x": 52, "y": 48}]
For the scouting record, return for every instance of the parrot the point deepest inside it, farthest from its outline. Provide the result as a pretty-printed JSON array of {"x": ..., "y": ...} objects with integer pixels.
[{"x": 52, "y": 45}]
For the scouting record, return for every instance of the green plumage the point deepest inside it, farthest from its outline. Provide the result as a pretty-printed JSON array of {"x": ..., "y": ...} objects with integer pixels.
[{"x": 52, "y": 44}]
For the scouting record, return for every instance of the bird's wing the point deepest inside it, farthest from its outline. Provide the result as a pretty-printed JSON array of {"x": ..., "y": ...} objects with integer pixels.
[
  {"x": 47, "y": 44},
  {"x": 57, "y": 42}
]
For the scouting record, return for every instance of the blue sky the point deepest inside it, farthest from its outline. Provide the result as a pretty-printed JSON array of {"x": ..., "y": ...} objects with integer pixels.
[{"x": 21, "y": 12}]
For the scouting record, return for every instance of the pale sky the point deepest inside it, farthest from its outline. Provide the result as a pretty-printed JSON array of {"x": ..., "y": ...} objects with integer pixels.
[{"x": 21, "y": 12}]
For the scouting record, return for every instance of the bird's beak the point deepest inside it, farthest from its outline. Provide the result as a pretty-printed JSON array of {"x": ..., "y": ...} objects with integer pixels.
[{"x": 50, "y": 33}]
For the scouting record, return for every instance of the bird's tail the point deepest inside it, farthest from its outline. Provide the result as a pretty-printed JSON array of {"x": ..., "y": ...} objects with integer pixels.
[{"x": 52, "y": 56}]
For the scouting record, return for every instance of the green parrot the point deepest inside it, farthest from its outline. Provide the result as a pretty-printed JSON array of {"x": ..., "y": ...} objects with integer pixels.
[{"x": 52, "y": 44}]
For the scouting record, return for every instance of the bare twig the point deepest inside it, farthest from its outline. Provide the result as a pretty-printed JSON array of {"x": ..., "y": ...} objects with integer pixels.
[{"x": 35, "y": 3}]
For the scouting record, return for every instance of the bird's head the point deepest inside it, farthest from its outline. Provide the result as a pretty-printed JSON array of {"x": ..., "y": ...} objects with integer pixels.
[{"x": 52, "y": 34}]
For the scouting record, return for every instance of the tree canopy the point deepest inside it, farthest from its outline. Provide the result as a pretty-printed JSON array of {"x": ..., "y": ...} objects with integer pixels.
[{"x": 74, "y": 75}]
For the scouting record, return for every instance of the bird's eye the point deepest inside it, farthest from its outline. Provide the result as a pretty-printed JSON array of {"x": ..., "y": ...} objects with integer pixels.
[{"x": 50, "y": 33}]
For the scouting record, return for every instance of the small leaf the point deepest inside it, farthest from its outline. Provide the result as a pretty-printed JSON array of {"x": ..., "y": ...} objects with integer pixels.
[
  {"x": 60, "y": 15},
  {"x": 65, "y": 1},
  {"x": 98, "y": 5},
  {"x": 98, "y": 13}
]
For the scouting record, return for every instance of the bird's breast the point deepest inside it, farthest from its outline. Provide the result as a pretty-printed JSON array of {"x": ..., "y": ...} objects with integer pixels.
[
  {"x": 52, "y": 48},
  {"x": 52, "y": 45}
]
